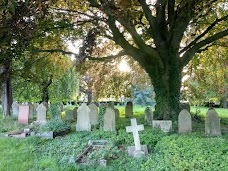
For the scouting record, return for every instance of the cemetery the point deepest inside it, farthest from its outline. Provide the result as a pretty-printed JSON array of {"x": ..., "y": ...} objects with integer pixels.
[{"x": 113, "y": 85}]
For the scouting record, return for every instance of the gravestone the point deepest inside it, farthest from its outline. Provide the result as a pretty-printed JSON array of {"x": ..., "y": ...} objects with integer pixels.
[
  {"x": 15, "y": 108},
  {"x": 75, "y": 112},
  {"x": 93, "y": 115},
  {"x": 23, "y": 114},
  {"x": 83, "y": 121},
  {"x": 31, "y": 111},
  {"x": 164, "y": 125},
  {"x": 35, "y": 106},
  {"x": 184, "y": 122},
  {"x": 45, "y": 104},
  {"x": 212, "y": 123},
  {"x": 111, "y": 104},
  {"x": 148, "y": 116},
  {"x": 61, "y": 106},
  {"x": 109, "y": 120},
  {"x": 69, "y": 115},
  {"x": 117, "y": 113},
  {"x": 129, "y": 110},
  {"x": 137, "y": 149},
  {"x": 41, "y": 113}
]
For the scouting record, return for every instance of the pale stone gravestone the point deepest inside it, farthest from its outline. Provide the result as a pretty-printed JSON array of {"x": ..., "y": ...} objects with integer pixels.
[
  {"x": 41, "y": 113},
  {"x": 137, "y": 150},
  {"x": 15, "y": 108},
  {"x": 61, "y": 106},
  {"x": 184, "y": 122},
  {"x": 148, "y": 116},
  {"x": 94, "y": 117},
  {"x": 117, "y": 113},
  {"x": 75, "y": 112},
  {"x": 23, "y": 114},
  {"x": 111, "y": 104},
  {"x": 35, "y": 106},
  {"x": 212, "y": 123},
  {"x": 83, "y": 121},
  {"x": 129, "y": 110},
  {"x": 109, "y": 120},
  {"x": 31, "y": 111},
  {"x": 45, "y": 104},
  {"x": 69, "y": 115},
  {"x": 164, "y": 125}
]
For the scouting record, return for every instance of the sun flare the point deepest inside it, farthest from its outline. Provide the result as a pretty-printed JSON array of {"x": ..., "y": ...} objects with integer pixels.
[{"x": 123, "y": 66}]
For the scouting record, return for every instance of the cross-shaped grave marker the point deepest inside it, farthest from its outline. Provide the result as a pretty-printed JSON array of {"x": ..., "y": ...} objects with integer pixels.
[{"x": 134, "y": 128}]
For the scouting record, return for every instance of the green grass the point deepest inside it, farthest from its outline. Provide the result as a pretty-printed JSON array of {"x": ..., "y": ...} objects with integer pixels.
[{"x": 166, "y": 151}]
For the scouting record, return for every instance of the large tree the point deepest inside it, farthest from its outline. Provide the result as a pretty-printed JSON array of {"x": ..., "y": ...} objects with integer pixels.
[{"x": 162, "y": 35}]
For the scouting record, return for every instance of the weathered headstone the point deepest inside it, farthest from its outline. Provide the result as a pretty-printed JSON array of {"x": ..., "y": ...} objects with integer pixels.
[
  {"x": 109, "y": 120},
  {"x": 75, "y": 112},
  {"x": 41, "y": 113},
  {"x": 164, "y": 125},
  {"x": 212, "y": 123},
  {"x": 31, "y": 111},
  {"x": 117, "y": 113},
  {"x": 83, "y": 121},
  {"x": 69, "y": 115},
  {"x": 15, "y": 108},
  {"x": 45, "y": 104},
  {"x": 111, "y": 104},
  {"x": 184, "y": 122},
  {"x": 129, "y": 110},
  {"x": 148, "y": 116},
  {"x": 94, "y": 117},
  {"x": 23, "y": 114},
  {"x": 134, "y": 128}
]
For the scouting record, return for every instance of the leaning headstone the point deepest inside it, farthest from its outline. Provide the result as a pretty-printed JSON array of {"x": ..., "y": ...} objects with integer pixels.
[
  {"x": 83, "y": 121},
  {"x": 137, "y": 151},
  {"x": 94, "y": 117},
  {"x": 129, "y": 110},
  {"x": 184, "y": 122},
  {"x": 41, "y": 113},
  {"x": 212, "y": 123},
  {"x": 148, "y": 116},
  {"x": 23, "y": 114},
  {"x": 15, "y": 108},
  {"x": 69, "y": 115},
  {"x": 164, "y": 125},
  {"x": 109, "y": 120},
  {"x": 75, "y": 112},
  {"x": 117, "y": 113}
]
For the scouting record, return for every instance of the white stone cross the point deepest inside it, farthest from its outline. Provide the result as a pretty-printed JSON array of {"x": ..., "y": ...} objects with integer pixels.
[{"x": 135, "y": 128}]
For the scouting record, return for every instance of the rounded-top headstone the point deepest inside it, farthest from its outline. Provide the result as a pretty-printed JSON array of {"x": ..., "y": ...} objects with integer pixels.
[
  {"x": 212, "y": 123},
  {"x": 184, "y": 122}
]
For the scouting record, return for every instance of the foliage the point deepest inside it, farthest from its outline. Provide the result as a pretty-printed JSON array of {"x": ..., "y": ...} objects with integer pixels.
[
  {"x": 55, "y": 125},
  {"x": 101, "y": 116},
  {"x": 55, "y": 110},
  {"x": 143, "y": 97}
]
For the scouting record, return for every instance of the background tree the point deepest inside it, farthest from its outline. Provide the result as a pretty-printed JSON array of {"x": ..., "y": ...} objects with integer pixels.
[
  {"x": 163, "y": 36},
  {"x": 207, "y": 76}
]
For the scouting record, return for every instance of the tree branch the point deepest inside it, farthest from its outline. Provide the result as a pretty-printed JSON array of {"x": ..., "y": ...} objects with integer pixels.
[
  {"x": 204, "y": 33},
  {"x": 196, "y": 48}
]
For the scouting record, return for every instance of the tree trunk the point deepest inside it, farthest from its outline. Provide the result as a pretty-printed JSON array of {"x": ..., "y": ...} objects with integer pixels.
[
  {"x": 45, "y": 94},
  {"x": 7, "y": 95},
  {"x": 167, "y": 83}
]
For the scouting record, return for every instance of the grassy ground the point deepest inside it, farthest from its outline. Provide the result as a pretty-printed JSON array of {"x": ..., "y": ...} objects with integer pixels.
[{"x": 166, "y": 151}]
